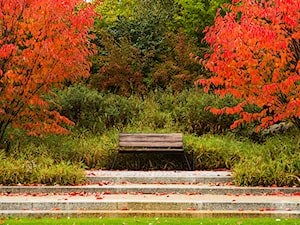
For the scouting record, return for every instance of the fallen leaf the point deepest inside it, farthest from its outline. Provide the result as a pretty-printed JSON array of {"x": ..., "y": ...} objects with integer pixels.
[{"x": 54, "y": 209}]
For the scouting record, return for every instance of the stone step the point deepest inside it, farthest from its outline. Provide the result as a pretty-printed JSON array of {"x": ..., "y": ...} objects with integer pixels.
[
  {"x": 154, "y": 214},
  {"x": 119, "y": 204},
  {"x": 170, "y": 177},
  {"x": 151, "y": 188},
  {"x": 106, "y": 201}
]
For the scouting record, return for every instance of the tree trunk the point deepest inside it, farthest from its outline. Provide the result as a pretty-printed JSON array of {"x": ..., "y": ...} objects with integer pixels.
[
  {"x": 3, "y": 126},
  {"x": 296, "y": 122}
]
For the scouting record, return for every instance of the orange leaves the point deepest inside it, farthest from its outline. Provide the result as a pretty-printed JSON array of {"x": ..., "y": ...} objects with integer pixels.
[
  {"x": 256, "y": 57},
  {"x": 41, "y": 47},
  {"x": 55, "y": 209}
]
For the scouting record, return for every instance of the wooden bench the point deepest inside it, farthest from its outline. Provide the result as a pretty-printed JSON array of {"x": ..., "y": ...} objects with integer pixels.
[{"x": 152, "y": 143}]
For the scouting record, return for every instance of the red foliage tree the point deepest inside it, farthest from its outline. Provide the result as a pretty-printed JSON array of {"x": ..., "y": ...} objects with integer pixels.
[
  {"x": 255, "y": 57},
  {"x": 42, "y": 43}
]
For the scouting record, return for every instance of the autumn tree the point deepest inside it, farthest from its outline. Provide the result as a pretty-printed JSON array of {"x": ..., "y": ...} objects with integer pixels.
[
  {"x": 42, "y": 44},
  {"x": 255, "y": 57}
]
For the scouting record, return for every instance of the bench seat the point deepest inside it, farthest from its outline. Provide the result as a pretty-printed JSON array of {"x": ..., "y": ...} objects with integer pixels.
[{"x": 171, "y": 143}]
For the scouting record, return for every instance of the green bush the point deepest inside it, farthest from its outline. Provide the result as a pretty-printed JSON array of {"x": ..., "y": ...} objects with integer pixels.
[
  {"x": 96, "y": 111},
  {"x": 81, "y": 105},
  {"x": 190, "y": 111},
  {"x": 186, "y": 110}
]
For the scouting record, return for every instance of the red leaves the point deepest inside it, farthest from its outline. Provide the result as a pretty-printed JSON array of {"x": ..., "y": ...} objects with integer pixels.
[
  {"x": 255, "y": 60},
  {"x": 190, "y": 209},
  {"x": 55, "y": 209},
  {"x": 56, "y": 50}
]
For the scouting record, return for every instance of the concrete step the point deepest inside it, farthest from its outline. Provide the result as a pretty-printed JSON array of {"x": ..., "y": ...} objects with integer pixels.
[
  {"x": 170, "y": 177},
  {"x": 145, "y": 205},
  {"x": 149, "y": 202},
  {"x": 155, "y": 214},
  {"x": 151, "y": 188}
]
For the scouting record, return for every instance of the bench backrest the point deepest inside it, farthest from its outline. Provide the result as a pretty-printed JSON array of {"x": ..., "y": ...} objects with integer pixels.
[{"x": 151, "y": 140}]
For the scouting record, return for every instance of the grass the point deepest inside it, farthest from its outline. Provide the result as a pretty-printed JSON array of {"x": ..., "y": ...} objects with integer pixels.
[
  {"x": 275, "y": 161},
  {"x": 148, "y": 221}
]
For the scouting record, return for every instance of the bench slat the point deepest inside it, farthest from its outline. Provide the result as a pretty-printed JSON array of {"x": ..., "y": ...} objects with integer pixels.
[
  {"x": 174, "y": 140},
  {"x": 151, "y": 144}
]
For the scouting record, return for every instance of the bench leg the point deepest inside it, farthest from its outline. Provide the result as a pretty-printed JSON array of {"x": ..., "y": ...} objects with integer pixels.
[
  {"x": 114, "y": 161},
  {"x": 193, "y": 160},
  {"x": 187, "y": 161}
]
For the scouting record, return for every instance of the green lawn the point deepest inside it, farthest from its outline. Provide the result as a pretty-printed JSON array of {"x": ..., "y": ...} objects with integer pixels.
[{"x": 147, "y": 221}]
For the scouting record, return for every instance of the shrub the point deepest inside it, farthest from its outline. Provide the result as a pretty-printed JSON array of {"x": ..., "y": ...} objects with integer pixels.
[
  {"x": 81, "y": 105},
  {"x": 96, "y": 111},
  {"x": 186, "y": 110},
  {"x": 190, "y": 111}
]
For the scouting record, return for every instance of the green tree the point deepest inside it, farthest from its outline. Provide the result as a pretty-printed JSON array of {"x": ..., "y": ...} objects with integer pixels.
[
  {"x": 112, "y": 9},
  {"x": 194, "y": 15}
]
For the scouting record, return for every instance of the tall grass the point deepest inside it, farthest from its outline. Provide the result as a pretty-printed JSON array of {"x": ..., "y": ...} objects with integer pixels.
[{"x": 21, "y": 170}]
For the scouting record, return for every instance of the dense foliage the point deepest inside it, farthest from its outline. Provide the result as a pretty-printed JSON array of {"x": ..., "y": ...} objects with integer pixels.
[
  {"x": 139, "y": 52},
  {"x": 43, "y": 43},
  {"x": 195, "y": 15},
  {"x": 256, "y": 55}
]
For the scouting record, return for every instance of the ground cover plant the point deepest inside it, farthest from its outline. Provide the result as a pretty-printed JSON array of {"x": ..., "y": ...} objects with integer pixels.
[{"x": 147, "y": 221}]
